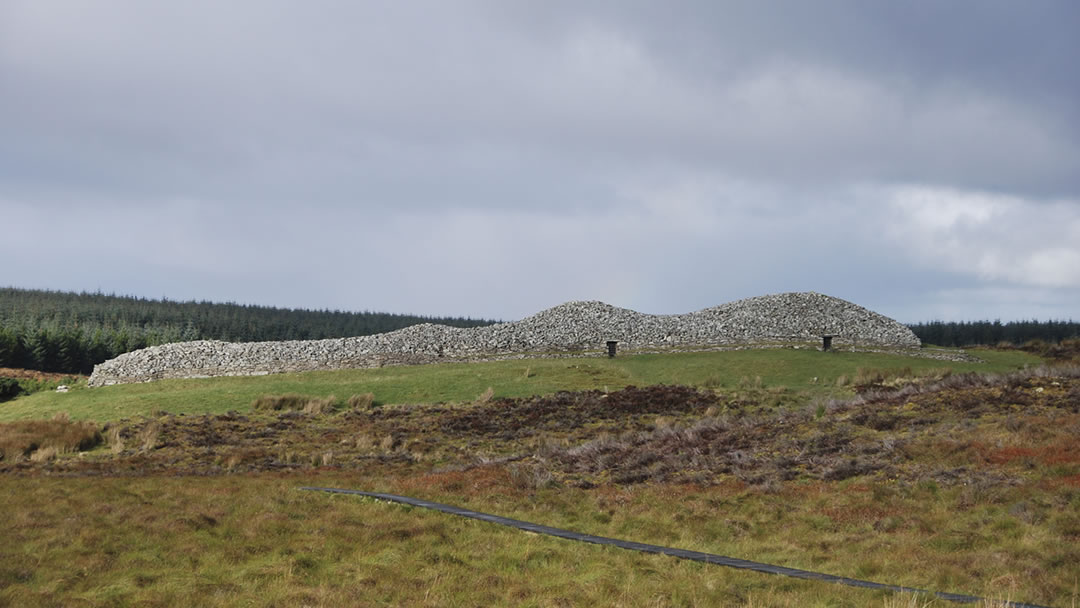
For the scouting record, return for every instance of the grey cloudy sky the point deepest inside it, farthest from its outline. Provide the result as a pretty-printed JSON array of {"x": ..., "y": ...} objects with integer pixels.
[{"x": 494, "y": 158}]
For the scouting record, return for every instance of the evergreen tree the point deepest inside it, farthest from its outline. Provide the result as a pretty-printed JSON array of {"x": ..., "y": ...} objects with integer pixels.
[
  {"x": 67, "y": 351},
  {"x": 38, "y": 347},
  {"x": 9, "y": 348}
]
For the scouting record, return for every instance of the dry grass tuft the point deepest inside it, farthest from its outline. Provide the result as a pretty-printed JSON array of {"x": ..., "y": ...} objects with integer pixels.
[
  {"x": 530, "y": 476},
  {"x": 44, "y": 454},
  {"x": 288, "y": 457},
  {"x": 388, "y": 443},
  {"x": 864, "y": 375},
  {"x": 148, "y": 435},
  {"x": 115, "y": 440},
  {"x": 746, "y": 383},
  {"x": 485, "y": 397},
  {"x": 362, "y": 402},
  {"x": 275, "y": 403},
  {"x": 320, "y": 406},
  {"x": 364, "y": 442},
  {"x": 295, "y": 402},
  {"x": 20, "y": 439}
]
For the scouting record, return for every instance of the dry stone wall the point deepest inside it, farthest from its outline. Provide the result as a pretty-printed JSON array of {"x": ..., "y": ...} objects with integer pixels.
[{"x": 573, "y": 326}]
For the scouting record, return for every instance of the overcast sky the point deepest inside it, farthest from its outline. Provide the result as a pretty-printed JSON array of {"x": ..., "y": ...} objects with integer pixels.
[{"x": 495, "y": 158}]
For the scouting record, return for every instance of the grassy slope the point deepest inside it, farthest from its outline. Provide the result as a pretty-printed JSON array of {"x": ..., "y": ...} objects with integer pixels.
[
  {"x": 261, "y": 542},
  {"x": 457, "y": 382},
  {"x": 223, "y": 541}
]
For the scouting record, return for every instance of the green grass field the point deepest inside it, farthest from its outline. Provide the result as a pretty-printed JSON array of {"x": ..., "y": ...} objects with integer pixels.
[{"x": 795, "y": 370}]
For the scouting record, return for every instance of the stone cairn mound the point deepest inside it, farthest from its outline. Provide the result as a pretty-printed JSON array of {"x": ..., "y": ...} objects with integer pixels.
[{"x": 569, "y": 327}]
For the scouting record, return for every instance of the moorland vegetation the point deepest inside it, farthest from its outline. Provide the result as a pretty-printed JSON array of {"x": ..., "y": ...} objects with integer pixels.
[{"x": 955, "y": 476}]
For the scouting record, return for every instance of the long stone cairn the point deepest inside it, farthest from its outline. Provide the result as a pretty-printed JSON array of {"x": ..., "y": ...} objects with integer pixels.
[{"x": 569, "y": 327}]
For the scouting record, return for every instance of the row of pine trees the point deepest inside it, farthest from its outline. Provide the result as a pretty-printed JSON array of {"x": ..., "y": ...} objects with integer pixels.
[
  {"x": 970, "y": 333},
  {"x": 71, "y": 332}
]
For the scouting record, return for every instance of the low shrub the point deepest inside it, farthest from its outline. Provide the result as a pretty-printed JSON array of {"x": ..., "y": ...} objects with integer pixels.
[
  {"x": 9, "y": 389},
  {"x": 1065, "y": 350}
]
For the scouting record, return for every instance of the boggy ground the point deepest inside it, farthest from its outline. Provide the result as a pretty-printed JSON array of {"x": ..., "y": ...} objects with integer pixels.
[
  {"x": 965, "y": 430},
  {"x": 415, "y": 437}
]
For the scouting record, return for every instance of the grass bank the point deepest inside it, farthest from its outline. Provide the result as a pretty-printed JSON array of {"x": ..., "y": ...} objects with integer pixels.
[{"x": 801, "y": 371}]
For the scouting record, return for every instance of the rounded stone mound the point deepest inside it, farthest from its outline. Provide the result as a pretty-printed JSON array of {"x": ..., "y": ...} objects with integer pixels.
[{"x": 573, "y": 326}]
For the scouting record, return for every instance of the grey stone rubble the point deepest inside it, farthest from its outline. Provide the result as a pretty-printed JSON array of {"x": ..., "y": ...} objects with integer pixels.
[{"x": 570, "y": 327}]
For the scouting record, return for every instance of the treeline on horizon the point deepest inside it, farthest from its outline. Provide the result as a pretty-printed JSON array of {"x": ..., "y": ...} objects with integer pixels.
[
  {"x": 989, "y": 333},
  {"x": 68, "y": 332}
]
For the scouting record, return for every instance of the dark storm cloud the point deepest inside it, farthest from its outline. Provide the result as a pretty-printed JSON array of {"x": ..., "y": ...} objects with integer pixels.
[{"x": 664, "y": 156}]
